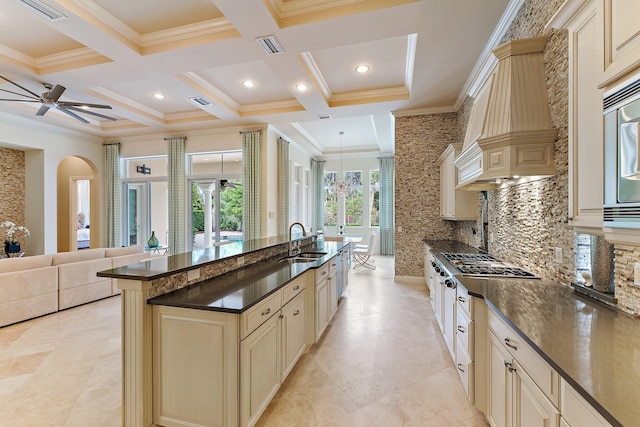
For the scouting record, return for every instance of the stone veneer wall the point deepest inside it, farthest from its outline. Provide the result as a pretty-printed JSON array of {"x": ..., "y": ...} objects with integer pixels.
[
  {"x": 626, "y": 291},
  {"x": 12, "y": 188},
  {"x": 420, "y": 140}
]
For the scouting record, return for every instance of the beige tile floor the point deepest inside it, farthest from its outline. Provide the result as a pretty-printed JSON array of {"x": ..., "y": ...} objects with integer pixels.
[{"x": 381, "y": 362}]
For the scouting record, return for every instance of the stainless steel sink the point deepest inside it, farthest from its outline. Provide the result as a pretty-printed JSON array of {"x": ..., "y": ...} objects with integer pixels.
[
  {"x": 303, "y": 257},
  {"x": 314, "y": 255}
]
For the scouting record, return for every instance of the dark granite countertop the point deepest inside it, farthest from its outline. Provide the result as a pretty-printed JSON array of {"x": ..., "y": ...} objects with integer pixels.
[
  {"x": 157, "y": 267},
  {"x": 593, "y": 346},
  {"x": 238, "y": 290}
]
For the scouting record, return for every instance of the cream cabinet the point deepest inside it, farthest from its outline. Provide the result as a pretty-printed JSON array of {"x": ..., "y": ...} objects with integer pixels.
[
  {"x": 621, "y": 38},
  {"x": 449, "y": 317},
  {"x": 454, "y": 204},
  {"x": 576, "y": 411},
  {"x": 586, "y": 143},
  {"x": 326, "y": 299},
  {"x": 293, "y": 315}
]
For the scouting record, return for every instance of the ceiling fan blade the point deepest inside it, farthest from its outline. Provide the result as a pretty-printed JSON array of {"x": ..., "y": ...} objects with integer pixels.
[
  {"x": 81, "y": 110},
  {"x": 19, "y": 94},
  {"x": 23, "y": 88},
  {"x": 21, "y": 100},
  {"x": 56, "y": 92},
  {"x": 74, "y": 115},
  {"x": 42, "y": 110},
  {"x": 82, "y": 104}
]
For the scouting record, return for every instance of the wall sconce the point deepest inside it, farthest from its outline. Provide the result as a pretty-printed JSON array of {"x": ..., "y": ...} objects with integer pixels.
[{"x": 143, "y": 170}]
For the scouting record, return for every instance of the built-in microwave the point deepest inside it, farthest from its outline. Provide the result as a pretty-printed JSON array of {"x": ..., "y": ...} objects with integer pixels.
[{"x": 622, "y": 155}]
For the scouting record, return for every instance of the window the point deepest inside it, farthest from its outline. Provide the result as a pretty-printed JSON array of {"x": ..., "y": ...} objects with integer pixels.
[
  {"x": 330, "y": 200},
  {"x": 297, "y": 208},
  {"x": 353, "y": 199},
  {"x": 374, "y": 198}
]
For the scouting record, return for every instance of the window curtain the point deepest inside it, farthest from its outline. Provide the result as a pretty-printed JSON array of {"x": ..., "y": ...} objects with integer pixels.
[
  {"x": 317, "y": 194},
  {"x": 176, "y": 183},
  {"x": 251, "y": 174},
  {"x": 283, "y": 186},
  {"x": 112, "y": 188},
  {"x": 386, "y": 205}
]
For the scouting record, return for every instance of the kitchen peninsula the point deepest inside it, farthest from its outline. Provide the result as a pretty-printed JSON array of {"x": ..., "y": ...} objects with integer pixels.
[{"x": 209, "y": 335}]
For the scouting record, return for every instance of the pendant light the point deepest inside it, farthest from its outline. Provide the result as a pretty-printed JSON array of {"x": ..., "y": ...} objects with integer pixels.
[{"x": 341, "y": 187}]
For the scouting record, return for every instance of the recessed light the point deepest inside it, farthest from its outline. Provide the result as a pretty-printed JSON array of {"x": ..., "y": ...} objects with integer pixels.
[
  {"x": 158, "y": 96},
  {"x": 302, "y": 87},
  {"x": 248, "y": 83},
  {"x": 362, "y": 68}
]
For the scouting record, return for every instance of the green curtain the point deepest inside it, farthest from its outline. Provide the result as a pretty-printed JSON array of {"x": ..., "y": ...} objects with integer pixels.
[
  {"x": 176, "y": 183},
  {"x": 251, "y": 174},
  {"x": 386, "y": 206},
  {"x": 283, "y": 186},
  {"x": 112, "y": 187},
  {"x": 317, "y": 192}
]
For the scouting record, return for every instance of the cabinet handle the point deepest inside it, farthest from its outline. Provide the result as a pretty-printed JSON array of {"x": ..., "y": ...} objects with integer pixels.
[
  {"x": 296, "y": 287},
  {"x": 460, "y": 367},
  {"x": 324, "y": 272},
  {"x": 295, "y": 313},
  {"x": 462, "y": 300},
  {"x": 509, "y": 366},
  {"x": 461, "y": 329},
  {"x": 507, "y": 342},
  {"x": 267, "y": 311}
]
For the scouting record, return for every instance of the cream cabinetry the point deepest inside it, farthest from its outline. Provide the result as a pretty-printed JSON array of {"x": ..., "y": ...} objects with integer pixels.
[
  {"x": 449, "y": 309},
  {"x": 586, "y": 143},
  {"x": 621, "y": 37},
  {"x": 326, "y": 291},
  {"x": 576, "y": 412},
  {"x": 454, "y": 204},
  {"x": 523, "y": 390},
  {"x": 294, "y": 315}
]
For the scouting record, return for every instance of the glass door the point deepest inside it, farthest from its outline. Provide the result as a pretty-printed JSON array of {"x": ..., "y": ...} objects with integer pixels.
[
  {"x": 216, "y": 212},
  {"x": 145, "y": 211}
]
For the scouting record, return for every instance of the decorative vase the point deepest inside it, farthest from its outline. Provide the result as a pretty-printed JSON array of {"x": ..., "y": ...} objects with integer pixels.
[
  {"x": 11, "y": 248},
  {"x": 153, "y": 240}
]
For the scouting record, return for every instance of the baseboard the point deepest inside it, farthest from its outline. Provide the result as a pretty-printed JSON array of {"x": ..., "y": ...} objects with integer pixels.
[{"x": 413, "y": 280}]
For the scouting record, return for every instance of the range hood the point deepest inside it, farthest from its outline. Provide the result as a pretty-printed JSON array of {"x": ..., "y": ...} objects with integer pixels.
[{"x": 509, "y": 134}]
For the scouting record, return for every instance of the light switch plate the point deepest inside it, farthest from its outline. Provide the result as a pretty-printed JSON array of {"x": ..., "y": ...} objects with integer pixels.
[
  {"x": 558, "y": 252},
  {"x": 636, "y": 273}
]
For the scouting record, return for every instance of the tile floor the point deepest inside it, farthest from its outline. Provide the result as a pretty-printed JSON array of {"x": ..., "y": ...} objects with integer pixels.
[{"x": 381, "y": 362}]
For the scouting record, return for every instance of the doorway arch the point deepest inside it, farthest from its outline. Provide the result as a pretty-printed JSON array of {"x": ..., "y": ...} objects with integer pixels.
[{"x": 76, "y": 172}]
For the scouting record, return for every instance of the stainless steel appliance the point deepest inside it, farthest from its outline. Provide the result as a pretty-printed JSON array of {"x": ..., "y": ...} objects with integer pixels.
[
  {"x": 622, "y": 155},
  {"x": 485, "y": 266}
]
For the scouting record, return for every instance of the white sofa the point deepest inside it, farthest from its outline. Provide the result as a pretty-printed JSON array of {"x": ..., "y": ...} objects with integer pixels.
[{"x": 42, "y": 284}]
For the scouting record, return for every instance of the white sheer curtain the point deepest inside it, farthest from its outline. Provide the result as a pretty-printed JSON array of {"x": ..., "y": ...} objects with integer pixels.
[
  {"x": 251, "y": 174},
  {"x": 317, "y": 201},
  {"x": 283, "y": 186},
  {"x": 176, "y": 183},
  {"x": 112, "y": 187},
  {"x": 387, "y": 235}
]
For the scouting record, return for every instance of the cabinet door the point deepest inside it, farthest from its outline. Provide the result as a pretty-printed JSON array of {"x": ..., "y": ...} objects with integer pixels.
[
  {"x": 449, "y": 320},
  {"x": 293, "y": 328},
  {"x": 322, "y": 307},
  {"x": 586, "y": 123},
  {"x": 622, "y": 37},
  {"x": 499, "y": 384},
  {"x": 531, "y": 408},
  {"x": 259, "y": 370},
  {"x": 333, "y": 294}
]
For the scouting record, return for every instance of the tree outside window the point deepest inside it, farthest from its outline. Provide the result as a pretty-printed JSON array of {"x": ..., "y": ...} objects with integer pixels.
[
  {"x": 374, "y": 197},
  {"x": 353, "y": 199},
  {"x": 330, "y": 200}
]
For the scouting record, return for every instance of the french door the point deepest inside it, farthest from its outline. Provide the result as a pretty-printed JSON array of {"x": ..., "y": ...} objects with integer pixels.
[
  {"x": 145, "y": 211},
  {"x": 216, "y": 212}
]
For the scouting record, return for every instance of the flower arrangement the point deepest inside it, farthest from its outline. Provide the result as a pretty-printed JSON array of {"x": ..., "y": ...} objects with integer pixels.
[{"x": 11, "y": 229}]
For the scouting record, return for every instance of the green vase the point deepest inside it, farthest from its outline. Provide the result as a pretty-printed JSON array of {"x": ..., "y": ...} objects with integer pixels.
[{"x": 153, "y": 240}]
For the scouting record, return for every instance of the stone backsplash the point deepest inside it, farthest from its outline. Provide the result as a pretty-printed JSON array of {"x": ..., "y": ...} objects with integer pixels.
[{"x": 12, "y": 188}]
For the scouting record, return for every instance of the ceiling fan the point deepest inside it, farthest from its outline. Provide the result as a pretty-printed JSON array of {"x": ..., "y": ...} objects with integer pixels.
[{"x": 50, "y": 99}]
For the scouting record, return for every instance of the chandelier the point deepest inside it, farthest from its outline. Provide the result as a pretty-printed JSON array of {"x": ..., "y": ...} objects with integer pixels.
[{"x": 341, "y": 187}]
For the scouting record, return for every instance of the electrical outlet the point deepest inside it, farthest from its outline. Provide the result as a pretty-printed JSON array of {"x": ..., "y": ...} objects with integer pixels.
[
  {"x": 636, "y": 274},
  {"x": 558, "y": 252},
  {"x": 193, "y": 275},
  {"x": 240, "y": 260},
  {"x": 399, "y": 229}
]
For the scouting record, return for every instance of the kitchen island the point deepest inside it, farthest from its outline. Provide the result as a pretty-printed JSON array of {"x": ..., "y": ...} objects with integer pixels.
[
  {"x": 219, "y": 316},
  {"x": 592, "y": 346}
]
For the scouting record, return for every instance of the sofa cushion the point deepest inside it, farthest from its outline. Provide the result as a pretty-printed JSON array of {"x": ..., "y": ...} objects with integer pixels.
[
  {"x": 77, "y": 256},
  {"x": 76, "y": 274},
  {"x": 25, "y": 284},
  {"x": 8, "y": 265},
  {"x": 127, "y": 250}
]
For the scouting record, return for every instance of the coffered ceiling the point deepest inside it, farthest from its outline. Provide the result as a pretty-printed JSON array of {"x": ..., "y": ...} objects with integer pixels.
[{"x": 420, "y": 54}]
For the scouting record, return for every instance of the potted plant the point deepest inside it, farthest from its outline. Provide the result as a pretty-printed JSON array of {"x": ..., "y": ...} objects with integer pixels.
[{"x": 11, "y": 245}]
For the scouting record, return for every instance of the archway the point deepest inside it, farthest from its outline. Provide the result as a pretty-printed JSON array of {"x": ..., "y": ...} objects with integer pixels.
[{"x": 78, "y": 204}]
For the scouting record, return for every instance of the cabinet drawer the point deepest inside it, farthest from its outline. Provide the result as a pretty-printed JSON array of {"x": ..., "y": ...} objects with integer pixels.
[
  {"x": 333, "y": 264},
  {"x": 259, "y": 313},
  {"x": 292, "y": 289},
  {"x": 545, "y": 377},
  {"x": 465, "y": 332},
  {"x": 465, "y": 301},
  {"x": 322, "y": 272},
  {"x": 576, "y": 411},
  {"x": 465, "y": 367}
]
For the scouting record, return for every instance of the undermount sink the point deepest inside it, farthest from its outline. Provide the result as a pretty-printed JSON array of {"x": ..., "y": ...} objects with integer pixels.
[{"x": 303, "y": 257}]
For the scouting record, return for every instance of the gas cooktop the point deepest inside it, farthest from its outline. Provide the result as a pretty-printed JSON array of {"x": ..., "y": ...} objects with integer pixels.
[{"x": 485, "y": 266}]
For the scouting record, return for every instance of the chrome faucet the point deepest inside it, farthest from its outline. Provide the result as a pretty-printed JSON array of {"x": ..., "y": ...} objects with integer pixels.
[{"x": 304, "y": 233}]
